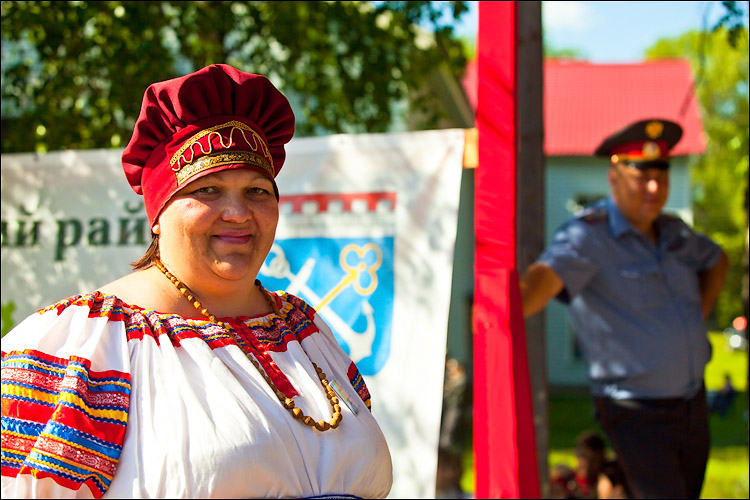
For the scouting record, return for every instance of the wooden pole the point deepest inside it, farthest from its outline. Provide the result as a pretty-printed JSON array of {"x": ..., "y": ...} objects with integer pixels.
[{"x": 531, "y": 201}]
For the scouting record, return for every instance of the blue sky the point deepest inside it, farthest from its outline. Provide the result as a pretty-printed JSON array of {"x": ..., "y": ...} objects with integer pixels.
[{"x": 615, "y": 32}]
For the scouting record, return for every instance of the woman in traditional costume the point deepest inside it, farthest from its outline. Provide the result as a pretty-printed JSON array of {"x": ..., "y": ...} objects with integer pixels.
[{"x": 186, "y": 378}]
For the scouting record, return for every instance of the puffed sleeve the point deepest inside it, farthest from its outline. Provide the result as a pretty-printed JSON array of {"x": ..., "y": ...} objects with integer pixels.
[{"x": 65, "y": 396}]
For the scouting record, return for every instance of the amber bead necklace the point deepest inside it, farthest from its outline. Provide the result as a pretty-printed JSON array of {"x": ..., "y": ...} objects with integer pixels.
[{"x": 288, "y": 403}]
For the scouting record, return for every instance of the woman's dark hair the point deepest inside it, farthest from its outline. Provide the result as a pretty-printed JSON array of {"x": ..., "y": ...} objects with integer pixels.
[{"x": 149, "y": 257}]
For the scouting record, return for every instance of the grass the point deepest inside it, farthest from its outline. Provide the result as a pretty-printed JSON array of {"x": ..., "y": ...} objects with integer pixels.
[
  {"x": 725, "y": 361},
  {"x": 727, "y": 470},
  {"x": 571, "y": 412}
]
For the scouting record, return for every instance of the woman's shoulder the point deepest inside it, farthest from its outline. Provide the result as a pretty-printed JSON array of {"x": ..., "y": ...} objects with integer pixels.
[
  {"x": 114, "y": 313},
  {"x": 139, "y": 288},
  {"x": 287, "y": 300},
  {"x": 148, "y": 290},
  {"x": 294, "y": 309},
  {"x": 92, "y": 304},
  {"x": 62, "y": 324}
]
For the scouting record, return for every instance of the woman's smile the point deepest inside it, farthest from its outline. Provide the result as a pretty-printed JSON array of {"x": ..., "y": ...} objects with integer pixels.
[{"x": 234, "y": 237}]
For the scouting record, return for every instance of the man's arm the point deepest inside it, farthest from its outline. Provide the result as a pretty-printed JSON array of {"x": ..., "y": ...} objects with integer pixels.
[
  {"x": 711, "y": 280},
  {"x": 539, "y": 284}
]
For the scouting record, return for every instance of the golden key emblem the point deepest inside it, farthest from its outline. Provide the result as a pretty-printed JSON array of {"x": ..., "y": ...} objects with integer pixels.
[{"x": 357, "y": 271}]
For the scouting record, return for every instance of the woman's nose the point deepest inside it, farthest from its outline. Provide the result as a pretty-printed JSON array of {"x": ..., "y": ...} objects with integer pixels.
[{"x": 236, "y": 209}]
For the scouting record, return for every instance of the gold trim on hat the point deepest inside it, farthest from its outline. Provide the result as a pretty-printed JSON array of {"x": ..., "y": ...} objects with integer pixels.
[
  {"x": 654, "y": 129},
  {"x": 650, "y": 150},
  {"x": 258, "y": 145},
  {"x": 221, "y": 159}
]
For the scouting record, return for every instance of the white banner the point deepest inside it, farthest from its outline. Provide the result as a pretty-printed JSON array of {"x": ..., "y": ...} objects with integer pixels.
[{"x": 366, "y": 236}]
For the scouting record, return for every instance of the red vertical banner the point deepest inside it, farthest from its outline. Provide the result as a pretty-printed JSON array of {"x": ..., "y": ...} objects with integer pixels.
[{"x": 504, "y": 440}]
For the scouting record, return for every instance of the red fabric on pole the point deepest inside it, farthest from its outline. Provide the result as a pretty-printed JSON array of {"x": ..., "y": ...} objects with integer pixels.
[{"x": 504, "y": 440}]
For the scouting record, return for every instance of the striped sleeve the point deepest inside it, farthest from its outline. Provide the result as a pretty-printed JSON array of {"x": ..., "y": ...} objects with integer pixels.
[
  {"x": 358, "y": 383},
  {"x": 63, "y": 423}
]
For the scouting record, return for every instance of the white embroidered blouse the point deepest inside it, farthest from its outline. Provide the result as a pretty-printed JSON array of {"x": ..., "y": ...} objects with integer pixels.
[{"x": 105, "y": 399}]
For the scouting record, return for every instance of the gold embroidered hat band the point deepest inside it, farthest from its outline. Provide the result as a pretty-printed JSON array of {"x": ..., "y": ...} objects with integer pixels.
[
  {"x": 187, "y": 161},
  {"x": 215, "y": 119}
]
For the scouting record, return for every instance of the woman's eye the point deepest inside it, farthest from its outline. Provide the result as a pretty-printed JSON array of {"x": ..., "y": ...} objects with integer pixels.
[
  {"x": 205, "y": 190},
  {"x": 258, "y": 190}
]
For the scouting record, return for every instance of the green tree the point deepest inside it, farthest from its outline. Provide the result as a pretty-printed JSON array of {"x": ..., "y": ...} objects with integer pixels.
[
  {"x": 720, "y": 65},
  {"x": 6, "y": 317},
  {"x": 74, "y": 72}
]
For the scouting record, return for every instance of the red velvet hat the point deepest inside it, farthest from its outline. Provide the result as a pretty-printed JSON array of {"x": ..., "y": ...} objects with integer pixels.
[
  {"x": 215, "y": 119},
  {"x": 643, "y": 144}
]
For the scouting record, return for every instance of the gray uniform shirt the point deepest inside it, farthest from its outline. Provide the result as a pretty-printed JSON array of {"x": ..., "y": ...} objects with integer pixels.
[{"x": 634, "y": 305}]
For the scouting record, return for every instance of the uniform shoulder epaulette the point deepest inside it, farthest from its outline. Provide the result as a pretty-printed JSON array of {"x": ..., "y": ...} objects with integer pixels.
[{"x": 594, "y": 215}]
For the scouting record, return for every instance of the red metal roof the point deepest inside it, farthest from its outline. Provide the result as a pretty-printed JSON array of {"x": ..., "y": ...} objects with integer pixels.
[{"x": 585, "y": 102}]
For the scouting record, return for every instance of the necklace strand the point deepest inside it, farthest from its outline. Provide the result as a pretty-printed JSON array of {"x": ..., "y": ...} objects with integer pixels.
[{"x": 288, "y": 403}]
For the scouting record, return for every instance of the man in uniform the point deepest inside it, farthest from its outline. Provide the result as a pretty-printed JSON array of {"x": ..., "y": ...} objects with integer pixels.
[{"x": 639, "y": 284}]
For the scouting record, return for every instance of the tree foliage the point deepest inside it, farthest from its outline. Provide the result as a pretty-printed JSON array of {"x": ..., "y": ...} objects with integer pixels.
[
  {"x": 6, "y": 317},
  {"x": 720, "y": 64},
  {"x": 74, "y": 72}
]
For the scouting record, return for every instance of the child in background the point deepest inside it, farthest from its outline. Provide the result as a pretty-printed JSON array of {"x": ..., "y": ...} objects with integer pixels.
[
  {"x": 562, "y": 482},
  {"x": 591, "y": 456},
  {"x": 611, "y": 483}
]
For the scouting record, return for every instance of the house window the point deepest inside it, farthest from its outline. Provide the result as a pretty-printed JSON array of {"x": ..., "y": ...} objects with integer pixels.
[{"x": 581, "y": 201}]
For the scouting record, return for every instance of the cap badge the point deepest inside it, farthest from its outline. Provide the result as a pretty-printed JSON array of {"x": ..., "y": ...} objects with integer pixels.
[
  {"x": 651, "y": 150},
  {"x": 654, "y": 129}
]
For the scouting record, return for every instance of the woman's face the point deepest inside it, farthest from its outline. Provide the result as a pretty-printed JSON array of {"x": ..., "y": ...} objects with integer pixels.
[{"x": 221, "y": 225}]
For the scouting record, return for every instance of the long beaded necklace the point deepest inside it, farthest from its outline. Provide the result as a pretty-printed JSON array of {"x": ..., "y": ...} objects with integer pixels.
[{"x": 288, "y": 403}]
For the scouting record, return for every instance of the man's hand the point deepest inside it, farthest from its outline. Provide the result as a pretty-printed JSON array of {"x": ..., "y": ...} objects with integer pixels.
[{"x": 539, "y": 284}]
